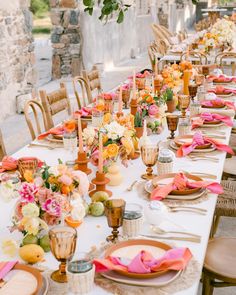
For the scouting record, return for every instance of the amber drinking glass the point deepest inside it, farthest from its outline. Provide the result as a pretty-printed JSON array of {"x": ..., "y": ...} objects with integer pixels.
[
  {"x": 114, "y": 211},
  {"x": 62, "y": 243},
  {"x": 184, "y": 101},
  {"x": 149, "y": 154},
  {"x": 172, "y": 123},
  {"x": 192, "y": 90},
  {"x": 199, "y": 79}
]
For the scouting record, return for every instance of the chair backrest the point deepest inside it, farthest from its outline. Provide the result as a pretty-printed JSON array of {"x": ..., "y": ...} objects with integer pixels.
[
  {"x": 81, "y": 101},
  {"x": 159, "y": 36},
  {"x": 2, "y": 147},
  {"x": 38, "y": 112},
  {"x": 165, "y": 31},
  {"x": 55, "y": 102},
  {"x": 93, "y": 82},
  {"x": 222, "y": 57},
  {"x": 202, "y": 57}
]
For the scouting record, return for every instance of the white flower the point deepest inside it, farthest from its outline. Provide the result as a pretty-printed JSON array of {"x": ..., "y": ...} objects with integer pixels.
[
  {"x": 9, "y": 190},
  {"x": 31, "y": 225},
  {"x": 54, "y": 171},
  {"x": 114, "y": 130},
  {"x": 89, "y": 135},
  {"x": 30, "y": 210},
  {"x": 78, "y": 211}
]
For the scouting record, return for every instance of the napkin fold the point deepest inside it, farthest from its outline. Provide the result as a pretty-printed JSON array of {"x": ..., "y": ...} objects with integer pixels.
[
  {"x": 218, "y": 102},
  {"x": 54, "y": 131},
  {"x": 5, "y": 267},
  {"x": 211, "y": 117},
  {"x": 144, "y": 262},
  {"x": 222, "y": 90},
  {"x": 181, "y": 182},
  {"x": 221, "y": 78},
  {"x": 9, "y": 163},
  {"x": 198, "y": 140},
  {"x": 83, "y": 112}
]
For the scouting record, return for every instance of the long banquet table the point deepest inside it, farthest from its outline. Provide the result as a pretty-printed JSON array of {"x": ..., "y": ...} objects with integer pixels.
[{"x": 94, "y": 230}]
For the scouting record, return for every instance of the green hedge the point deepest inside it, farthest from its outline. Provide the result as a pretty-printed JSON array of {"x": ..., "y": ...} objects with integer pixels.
[{"x": 39, "y": 7}]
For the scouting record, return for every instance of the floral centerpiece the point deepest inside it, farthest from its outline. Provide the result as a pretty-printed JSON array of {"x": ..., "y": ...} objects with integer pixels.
[
  {"x": 43, "y": 199},
  {"x": 224, "y": 29}
]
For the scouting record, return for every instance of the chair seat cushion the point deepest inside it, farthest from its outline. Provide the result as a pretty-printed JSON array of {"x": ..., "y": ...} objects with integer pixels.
[
  {"x": 230, "y": 166},
  {"x": 221, "y": 257}
]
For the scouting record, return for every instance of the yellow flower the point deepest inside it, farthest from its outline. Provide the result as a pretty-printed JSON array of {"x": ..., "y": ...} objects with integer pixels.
[
  {"x": 112, "y": 150},
  {"x": 28, "y": 176},
  {"x": 107, "y": 118},
  {"x": 105, "y": 154},
  {"x": 9, "y": 247},
  {"x": 104, "y": 138},
  {"x": 127, "y": 144},
  {"x": 31, "y": 225},
  {"x": 30, "y": 210}
]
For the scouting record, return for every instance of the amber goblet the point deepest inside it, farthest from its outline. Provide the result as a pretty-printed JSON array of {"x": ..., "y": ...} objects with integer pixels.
[
  {"x": 192, "y": 88},
  {"x": 114, "y": 211},
  {"x": 149, "y": 154},
  {"x": 62, "y": 243},
  {"x": 172, "y": 123},
  {"x": 184, "y": 101},
  {"x": 199, "y": 79}
]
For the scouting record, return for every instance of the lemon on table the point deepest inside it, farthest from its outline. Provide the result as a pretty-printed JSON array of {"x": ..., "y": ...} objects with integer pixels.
[{"x": 31, "y": 253}]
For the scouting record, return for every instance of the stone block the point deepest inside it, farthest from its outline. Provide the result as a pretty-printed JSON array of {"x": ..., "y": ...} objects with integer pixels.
[
  {"x": 56, "y": 67},
  {"x": 8, "y": 20},
  {"x": 56, "y": 16},
  {"x": 58, "y": 45},
  {"x": 53, "y": 3},
  {"x": 74, "y": 38},
  {"x": 75, "y": 66},
  {"x": 55, "y": 38},
  {"x": 65, "y": 39},
  {"x": 66, "y": 18},
  {"x": 58, "y": 30},
  {"x": 68, "y": 3},
  {"x": 74, "y": 49},
  {"x": 20, "y": 102},
  {"x": 74, "y": 17}
]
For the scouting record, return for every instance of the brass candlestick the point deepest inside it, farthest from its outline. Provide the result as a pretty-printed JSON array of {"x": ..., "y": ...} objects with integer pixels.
[
  {"x": 100, "y": 181},
  {"x": 82, "y": 163},
  {"x": 133, "y": 106},
  {"x": 184, "y": 101},
  {"x": 114, "y": 211},
  {"x": 172, "y": 123}
]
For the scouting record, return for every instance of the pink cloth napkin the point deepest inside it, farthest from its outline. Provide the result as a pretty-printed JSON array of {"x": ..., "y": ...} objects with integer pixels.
[
  {"x": 181, "y": 182},
  {"x": 221, "y": 78},
  {"x": 218, "y": 102},
  {"x": 8, "y": 164},
  {"x": 209, "y": 117},
  {"x": 222, "y": 90},
  {"x": 144, "y": 262},
  {"x": 84, "y": 112},
  {"x": 54, "y": 131},
  {"x": 5, "y": 267},
  {"x": 199, "y": 139}
]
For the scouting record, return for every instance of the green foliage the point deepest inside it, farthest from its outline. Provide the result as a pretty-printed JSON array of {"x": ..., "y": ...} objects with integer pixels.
[
  {"x": 138, "y": 120},
  {"x": 108, "y": 7},
  {"x": 168, "y": 94},
  {"x": 40, "y": 30},
  {"x": 39, "y": 7}
]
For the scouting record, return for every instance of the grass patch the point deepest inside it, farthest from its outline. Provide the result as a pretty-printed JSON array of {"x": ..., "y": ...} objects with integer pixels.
[{"x": 41, "y": 30}]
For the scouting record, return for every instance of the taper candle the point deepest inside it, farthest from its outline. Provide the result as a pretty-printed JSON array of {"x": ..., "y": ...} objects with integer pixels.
[
  {"x": 186, "y": 78},
  {"x": 156, "y": 67},
  {"x": 144, "y": 127},
  {"x": 153, "y": 88},
  {"x": 134, "y": 85},
  {"x": 81, "y": 150},
  {"x": 120, "y": 101},
  {"x": 187, "y": 53},
  {"x": 100, "y": 154}
]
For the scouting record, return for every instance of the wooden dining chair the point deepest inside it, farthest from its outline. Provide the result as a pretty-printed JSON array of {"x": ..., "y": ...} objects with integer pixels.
[
  {"x": 82, "y": 101},
  {"x": 202, "y": 58},
  {"x": 93, "y": 82},
  {"x": 159, "y": 36},
  {"x": 2, "y": 147},
  {"x": 219, "y": 266},
  {"x": 55, "y": 102},
  {"x": 221, "y": 60},
  {"x": 38, "y": 113}
]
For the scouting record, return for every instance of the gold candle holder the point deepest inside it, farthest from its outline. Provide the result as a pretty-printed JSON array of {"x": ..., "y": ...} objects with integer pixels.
[
  {"x": 172, "y": 123},
  {"x": 149, "y": 154},
  {"x": 100, "y": 182},
  {"x": 114, "y": 211},
  {"x": 62, "y": 244},
  {"x": 184, "y": 101}
]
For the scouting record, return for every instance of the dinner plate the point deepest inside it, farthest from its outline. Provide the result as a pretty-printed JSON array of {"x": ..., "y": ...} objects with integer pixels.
[
  {"x": 44, "y": 289},
  {"x": 225, "y": 95},
  {"x": 34, "y": 272},
  {"x": 180, "y": 140},
  {"x": 159, "y": 281},
  {"x": 129, "y": 249},
  {"x": 175, "y": 147},
  {"x": 168, "y": 178},
  {"x": 51, "y": 138},
  {"x": 149, "y": 188},
  {"x": 214, "y": 107}
]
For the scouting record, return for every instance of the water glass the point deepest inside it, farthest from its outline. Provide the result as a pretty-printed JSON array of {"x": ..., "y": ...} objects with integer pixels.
[
  {"x": 97, "y": 118},
  {"x": 70, "y": 140},
  {"x": 133, "y": 220}
]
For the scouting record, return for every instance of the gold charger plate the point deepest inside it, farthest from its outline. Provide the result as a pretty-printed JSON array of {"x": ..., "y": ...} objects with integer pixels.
[
  {"x": 129, "y": 249},
  {"x": 224, "y": 95},
  {"x": 51, "y": 138},
  {"x": 149, "y": 188},
  {"x": 168, "y": 178},
  {"x": 214, "y": 107},
  {"x": 180, "y": 140},
  {"x": 175, "y": 147}
]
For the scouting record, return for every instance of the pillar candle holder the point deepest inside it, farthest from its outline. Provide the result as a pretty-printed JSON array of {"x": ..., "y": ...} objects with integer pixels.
[
  {"x": 100, "y": 181},
  {"x": 133, "y": 106},
  {"x": 82, "y": 163}
]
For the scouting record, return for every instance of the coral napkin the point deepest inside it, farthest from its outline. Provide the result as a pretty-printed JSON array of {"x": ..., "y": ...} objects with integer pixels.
[
  {"x": 209, "y": 117},
  {"x": 221, "y": 79},
  {"x": 181, "y": 182},
  {"x": 218, "y": 102},
  {"x": 54, "y": 131},
  {"x": 5, "y": 267},
  {"x": 9, "y": 163},
  {"x": 144, "y": 262},
  {"x": 199, "y": 139},
  {"x": 222, "y": 90},
  {"x": 84, "y": 112}
]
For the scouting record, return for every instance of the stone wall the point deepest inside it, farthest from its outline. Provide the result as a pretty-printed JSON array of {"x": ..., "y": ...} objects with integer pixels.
[
  {"x": 17, "y": 74},
  {"x": 65, "y": 38}
]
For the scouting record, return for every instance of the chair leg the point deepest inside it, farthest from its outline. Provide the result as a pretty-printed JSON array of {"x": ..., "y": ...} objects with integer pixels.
[
  {"x": 214, "y": 226},
  {"x": 207, "y": 288}
]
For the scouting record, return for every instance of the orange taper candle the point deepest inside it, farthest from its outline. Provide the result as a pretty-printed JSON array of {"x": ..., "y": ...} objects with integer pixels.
[
  {"x": 100, "y": 154},
  {"x": 81, "y": 149},
  {"x": 186, "y": 78},
  {"x": 120, "y": 107}
]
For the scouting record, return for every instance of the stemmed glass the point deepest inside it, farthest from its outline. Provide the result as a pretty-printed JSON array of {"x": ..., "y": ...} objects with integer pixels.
[
  {"x": 192, "y": 90},
  {"x": 172, "y": 123},
  {"x": 184, "y": 101},
  {"x": 149, "y": 154},
  {"x": 62, "y": 243},
  {"x": 114, "y": 211}
]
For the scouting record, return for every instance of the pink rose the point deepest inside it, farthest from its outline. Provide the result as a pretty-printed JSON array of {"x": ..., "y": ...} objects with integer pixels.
[
  {"x": 50, "y": 219},
  {"x": 153, "y": 110},
  {"x": 28, "y": 192},
  {"x": 65, "y": 179},
  {"x": 43, "y": 194},
  {"x": 52, "y": 207},
  {"x": 94, "y": 158},
  {"x": 82, "y": 178}
]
